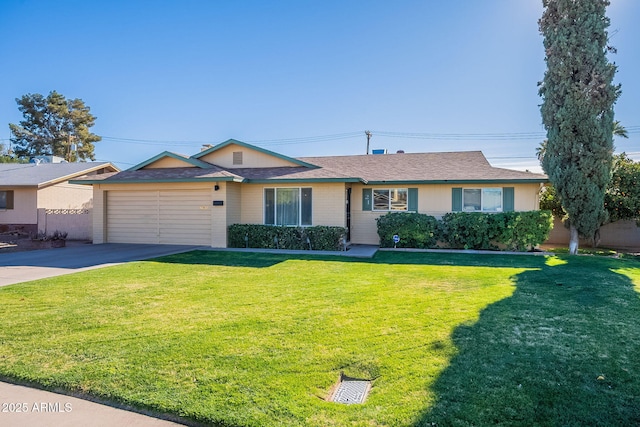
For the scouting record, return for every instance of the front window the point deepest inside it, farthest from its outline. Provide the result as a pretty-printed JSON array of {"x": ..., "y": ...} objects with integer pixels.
[
  {"x": 390, "y": 199},
  {"x": 287, "y": 206},
  {"x": 482, "y": 200},
  {"x": 6, "y": 199}
]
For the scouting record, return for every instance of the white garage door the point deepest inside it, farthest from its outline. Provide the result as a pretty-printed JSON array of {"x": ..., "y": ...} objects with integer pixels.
[{"x": 180, "y": 217}]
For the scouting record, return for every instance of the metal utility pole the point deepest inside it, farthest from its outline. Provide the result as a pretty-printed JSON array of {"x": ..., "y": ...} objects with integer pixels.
[
  {"x": 366, "y": 132},
  {"x": 68, "y": 155},
  {"x": 10, "y": 152}
]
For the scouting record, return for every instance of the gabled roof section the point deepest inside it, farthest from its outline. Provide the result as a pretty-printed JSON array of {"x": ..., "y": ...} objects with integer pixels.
[
  {"x": 264, "y": 166},
  {"x": 212, "y": 174},
  {"x": 189, "y": 161},
  {"x": 229, "y": 142},
  {"x": 45, "y": 174}
]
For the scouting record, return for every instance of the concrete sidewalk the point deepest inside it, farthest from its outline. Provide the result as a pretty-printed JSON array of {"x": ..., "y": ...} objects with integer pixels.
[
  {"x": 19, "y": 267},
  {"x": 24, "y": 406},
  {"x": 354, "y": 251}
]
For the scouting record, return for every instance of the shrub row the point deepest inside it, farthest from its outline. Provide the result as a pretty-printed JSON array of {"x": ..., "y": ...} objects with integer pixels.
[
  {"x": 518, "y": 231},
  {"x": 320, "y": 238},
  {"x": 415, "y": 230}
]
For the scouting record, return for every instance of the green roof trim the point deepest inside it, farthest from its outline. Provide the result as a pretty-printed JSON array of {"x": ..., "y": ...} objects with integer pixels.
[
  {"x": 253, "y": 147},
  {"x": 300, "y": 180},
  {"x": 151, "y": 181},
  {"x": 461, "y": 181},
  {"x": 189, "y": 160}
]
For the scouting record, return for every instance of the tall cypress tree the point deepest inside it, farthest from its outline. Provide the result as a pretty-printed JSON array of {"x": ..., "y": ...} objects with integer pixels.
[{"x": 577, "y": 109}]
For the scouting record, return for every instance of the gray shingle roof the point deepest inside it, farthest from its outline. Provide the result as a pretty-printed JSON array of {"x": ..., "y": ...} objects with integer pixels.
[
  {"x": 469, "y": 166},
  {"x": 33, "y": 175},
  {"x": 414, "y": 167},
  {"x": 295, "y": 173},
  {"x": 169, "y": 174}
]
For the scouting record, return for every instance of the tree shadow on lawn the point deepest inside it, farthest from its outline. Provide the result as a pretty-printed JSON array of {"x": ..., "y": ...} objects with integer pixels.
[
  {"x": 264, "y": 260},
  {"x": 562, "y": 350}
]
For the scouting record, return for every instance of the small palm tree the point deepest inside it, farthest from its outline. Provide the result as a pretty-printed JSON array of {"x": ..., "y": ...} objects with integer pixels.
[
  {"x": 619, "y": 130},
  {"x": 541, "y": 150}
]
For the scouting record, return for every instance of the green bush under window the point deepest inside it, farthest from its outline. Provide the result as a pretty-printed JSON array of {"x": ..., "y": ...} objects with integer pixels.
[
  {"x": 518, "y": 231},
  {"x": 415, "y": 230},
  {"x": 321, "y": 238}
]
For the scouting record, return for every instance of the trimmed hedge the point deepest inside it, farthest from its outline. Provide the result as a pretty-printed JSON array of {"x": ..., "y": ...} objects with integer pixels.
[
  {"x": 415, "y": 230},
  {"x": 321, "y": 238},
  {"x": 518, "y": 231},
  {"x": 470, "y": 230},
  {"x": 526, "y": 230}
]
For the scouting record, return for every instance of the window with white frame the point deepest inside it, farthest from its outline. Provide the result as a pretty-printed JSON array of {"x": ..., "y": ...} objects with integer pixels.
[
  {"x": 287, "y": 206},
  {"x": 390, "y": 199},
  {"x": 482, "y": 199}
]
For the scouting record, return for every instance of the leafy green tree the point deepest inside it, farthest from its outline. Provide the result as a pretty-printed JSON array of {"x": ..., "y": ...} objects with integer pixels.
[
  {"x": 54, "y": 125},
  {"x": 577, "y": 109},
  {"x": 622, "y": 199},
  {"x": 5, "y": 156},
  {"x": 549, "y": 201}
]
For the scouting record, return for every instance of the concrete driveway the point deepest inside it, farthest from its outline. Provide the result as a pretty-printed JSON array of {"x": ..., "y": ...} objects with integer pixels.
[{"x": 32, "y": 265}]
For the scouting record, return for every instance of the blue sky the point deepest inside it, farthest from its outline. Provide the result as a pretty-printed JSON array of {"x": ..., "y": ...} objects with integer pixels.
[{"x": 303, "y": 78}]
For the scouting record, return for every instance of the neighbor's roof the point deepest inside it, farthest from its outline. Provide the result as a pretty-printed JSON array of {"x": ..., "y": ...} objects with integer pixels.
[{"x": 44, "y": 174}]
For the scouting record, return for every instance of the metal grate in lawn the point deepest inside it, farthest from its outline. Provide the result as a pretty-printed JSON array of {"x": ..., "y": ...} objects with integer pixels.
[{"x": 350, "y": 391}]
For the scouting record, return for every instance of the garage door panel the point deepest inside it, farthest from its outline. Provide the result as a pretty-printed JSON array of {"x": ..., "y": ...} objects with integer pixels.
[
  {"x": 132, "y": 216},
  {"x": 164, "y": 216},
  {"x": 131, "y": 238},
  {"x": 185, "y": 227},
  {"x": 185, "y": 218}
]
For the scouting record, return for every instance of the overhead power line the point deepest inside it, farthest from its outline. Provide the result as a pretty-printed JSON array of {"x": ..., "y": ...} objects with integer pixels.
[
  {"x": 308, "y": 139},
  {"x": 116, "y": 161},
  {"x": 497, "y": 136},
  {"x": 465, "y": 136}
]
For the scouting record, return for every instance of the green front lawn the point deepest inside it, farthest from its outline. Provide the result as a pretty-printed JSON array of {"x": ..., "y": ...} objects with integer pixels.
[{"x": 240, "y": 339}]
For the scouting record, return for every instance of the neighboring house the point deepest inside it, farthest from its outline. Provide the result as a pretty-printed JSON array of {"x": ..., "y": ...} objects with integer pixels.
[
  {"x": 176, "y": 199},
  {"x": 37, "y": 197}
]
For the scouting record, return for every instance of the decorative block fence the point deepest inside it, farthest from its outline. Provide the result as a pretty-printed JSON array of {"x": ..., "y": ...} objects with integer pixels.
[{"x": 76, "y": 222}]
